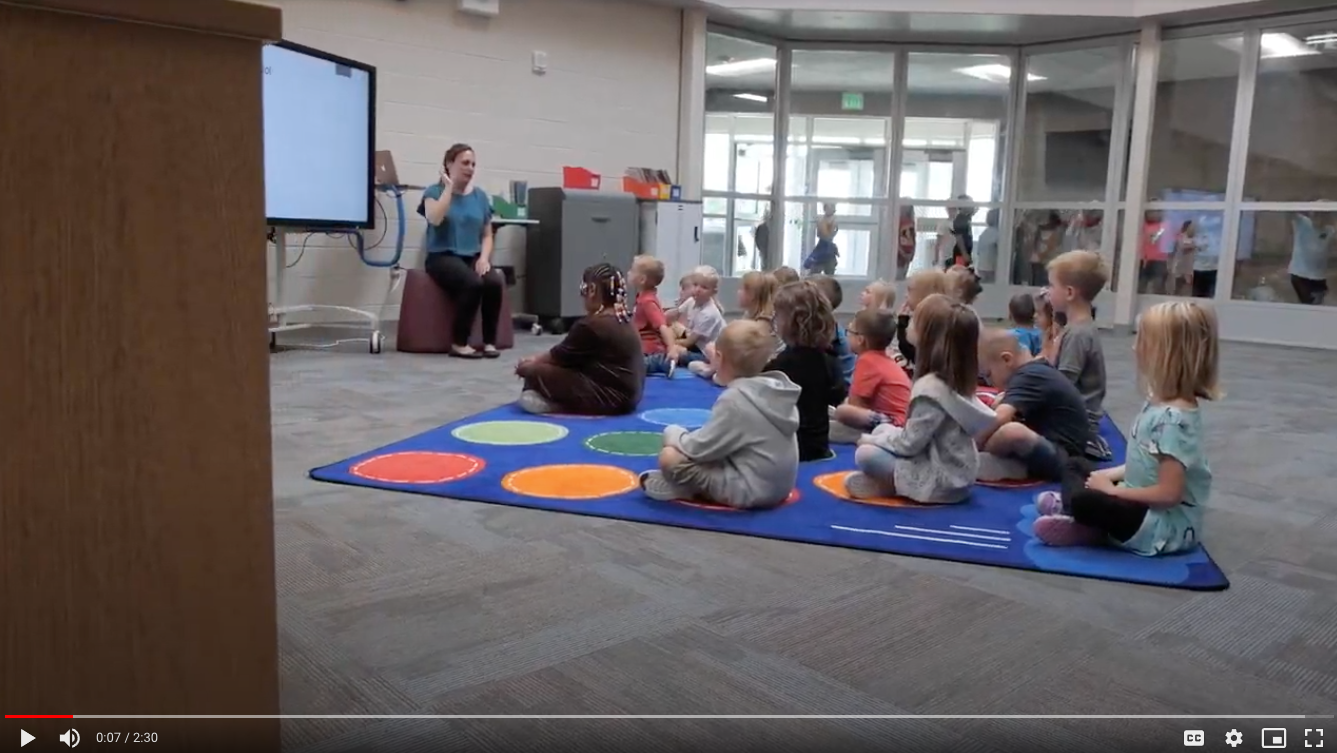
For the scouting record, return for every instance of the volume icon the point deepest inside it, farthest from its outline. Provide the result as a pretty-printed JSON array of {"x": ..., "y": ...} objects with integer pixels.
[{"x": 70, "y": 738}]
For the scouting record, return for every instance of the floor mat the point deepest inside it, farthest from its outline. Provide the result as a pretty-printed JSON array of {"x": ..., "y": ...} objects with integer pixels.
[{"x": 589, "y": 466}]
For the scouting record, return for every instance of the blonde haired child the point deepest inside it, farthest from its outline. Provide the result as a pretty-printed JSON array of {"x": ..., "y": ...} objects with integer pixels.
[
  {"x": 756, "y": 293},
  {"x": 1153, "y": 504},
  {"x": 1075, "y": 279},
  {"x": 785, "y": 275},
  {"x": 699, "y": 313},
  {"x": 933, "y": 458},
  {"x": 878, "y": 295},
  {"x": 756, "y": 296},
  {"x": 745, "y": 456},
  {"x": 659, "y": 344},
  {"x": 918, "y": 286},
  {"x": 964, "y": 285}
]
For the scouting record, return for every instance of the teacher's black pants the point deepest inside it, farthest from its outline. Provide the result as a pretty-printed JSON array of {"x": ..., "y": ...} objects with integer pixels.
[{"x": 470, "y": 292}]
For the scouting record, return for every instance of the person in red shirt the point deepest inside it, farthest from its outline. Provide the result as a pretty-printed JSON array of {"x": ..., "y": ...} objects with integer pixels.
[
  {"x": 657, "y": 341},
  {"x": 1153, "y": 259},
  {"x": 880, "y": 388}
]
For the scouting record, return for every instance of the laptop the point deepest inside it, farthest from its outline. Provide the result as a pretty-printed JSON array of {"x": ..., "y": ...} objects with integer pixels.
[{"x": 386, "y": 174}]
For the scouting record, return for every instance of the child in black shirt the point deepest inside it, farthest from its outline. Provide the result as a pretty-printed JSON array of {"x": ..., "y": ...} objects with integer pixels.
[
  {"x": 806, "y": 324},
  {"x": 1041, "y": 418}
]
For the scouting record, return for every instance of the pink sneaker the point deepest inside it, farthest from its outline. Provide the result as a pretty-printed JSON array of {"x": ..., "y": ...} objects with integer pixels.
[
  {"x": 1049, "y": 503},
  {"x": 1062, "y": 530}
]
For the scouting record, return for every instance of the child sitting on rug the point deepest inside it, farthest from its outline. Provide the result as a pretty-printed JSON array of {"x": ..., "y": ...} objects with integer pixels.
[
  {"x": 700, "y": 314},
  {"x": 1075, "y": 279},
  {"x": 933, "y": 459},
  {"x": 1021, "y": 313},
  {"x": 746, "y": 454},
  {"x": 1153, "y": 504},
  {"x": 658, "y": 343},
  {"x": 805, "y": 324},
  {"x": 840, "y": 345},
  {"x": 878, "y": 295},
  {"x": 1040, "y": 419},
  {"x": 598, "y": 368},
  {"x": 918, "y": 286},
  {"x": 756, "y": 293},
  {"x": 785, "y": 275},
  {"x": 880, "y": 389},
  {"x": 1050, "y": 329}
]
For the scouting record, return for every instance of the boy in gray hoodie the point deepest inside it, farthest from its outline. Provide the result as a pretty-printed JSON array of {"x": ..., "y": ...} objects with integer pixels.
[{"x": 746, "y": 455}]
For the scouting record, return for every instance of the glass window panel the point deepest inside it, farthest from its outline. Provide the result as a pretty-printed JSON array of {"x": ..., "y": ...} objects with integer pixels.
[
  {"x": 1069, "y": 124},
  {"x": 956, "y": 121},
  {"x": 1040, "y": 235},
  {"x": 840, "y": 104},
  {"x": 856, "y": 239},
  {"x": 1194, "y": 116},
  {"x": 1178, "y": 252},
  {"x": 1292, "y": 152},
  {"x": 1283, "y": 257},
  {"x": 739, "y": 128}
]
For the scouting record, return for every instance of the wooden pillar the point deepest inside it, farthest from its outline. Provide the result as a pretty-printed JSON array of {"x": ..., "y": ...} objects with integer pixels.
[{"x": 136, "y": 502}]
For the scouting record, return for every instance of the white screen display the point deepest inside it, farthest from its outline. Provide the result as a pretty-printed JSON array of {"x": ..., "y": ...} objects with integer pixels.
[{"x": 317, "y": 140}]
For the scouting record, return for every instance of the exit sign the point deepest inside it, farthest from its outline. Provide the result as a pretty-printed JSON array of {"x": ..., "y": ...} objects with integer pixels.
[{"x": 851, "y": 101}]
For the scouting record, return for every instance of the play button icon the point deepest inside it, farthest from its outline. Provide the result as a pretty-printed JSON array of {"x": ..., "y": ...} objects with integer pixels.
[{"x": 25, "y": 738}]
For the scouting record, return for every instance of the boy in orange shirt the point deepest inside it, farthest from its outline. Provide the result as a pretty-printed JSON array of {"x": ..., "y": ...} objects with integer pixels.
[
  {"x": 657, "y": 341},
  {"x": 880, "y": 388}
]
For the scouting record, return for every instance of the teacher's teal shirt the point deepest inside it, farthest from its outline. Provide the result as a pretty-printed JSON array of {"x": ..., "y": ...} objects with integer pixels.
[{"x": 461, "y": 233}]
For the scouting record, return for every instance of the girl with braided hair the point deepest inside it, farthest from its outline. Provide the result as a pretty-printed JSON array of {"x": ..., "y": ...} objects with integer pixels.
[{"x": 598, "y": 369}]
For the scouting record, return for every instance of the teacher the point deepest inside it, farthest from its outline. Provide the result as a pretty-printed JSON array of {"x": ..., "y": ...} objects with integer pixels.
[{"x": 459, "y": 251}]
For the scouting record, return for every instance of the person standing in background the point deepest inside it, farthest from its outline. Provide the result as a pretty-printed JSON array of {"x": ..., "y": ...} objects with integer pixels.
[
  {"x": 1181, "y": 259},
  {"x": 986, "y": 250},
  {"x": 1153, "y": 261},
  {"x": 825, "y": 255},
  {"x": 1309, "y": 259},
  {"x": 761, "y": 238},
  {"x": 906, "y": 241}
]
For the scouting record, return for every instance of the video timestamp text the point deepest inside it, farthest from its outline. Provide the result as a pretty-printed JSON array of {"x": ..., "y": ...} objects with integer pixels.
[{"x": 127, "y": 737}]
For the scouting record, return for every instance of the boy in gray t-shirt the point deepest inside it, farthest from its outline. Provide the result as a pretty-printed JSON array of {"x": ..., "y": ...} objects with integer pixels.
[{"x": 1075, "y": 278}]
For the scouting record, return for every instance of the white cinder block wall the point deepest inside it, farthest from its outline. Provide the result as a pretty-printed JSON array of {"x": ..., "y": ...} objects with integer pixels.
[{"x": 608, "y": 101}]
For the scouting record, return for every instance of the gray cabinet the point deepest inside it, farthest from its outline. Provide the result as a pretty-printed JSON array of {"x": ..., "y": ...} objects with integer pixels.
[{"x": 575, "y": 230}]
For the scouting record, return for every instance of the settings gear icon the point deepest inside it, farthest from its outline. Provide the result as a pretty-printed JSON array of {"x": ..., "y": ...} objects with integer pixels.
[{"x": 1234, "y": 738}]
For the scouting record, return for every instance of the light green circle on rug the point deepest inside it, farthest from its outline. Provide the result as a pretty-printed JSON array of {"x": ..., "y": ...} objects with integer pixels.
[
  {"x": 510, "y": 433},
  {"x": 639, "y": 444}
]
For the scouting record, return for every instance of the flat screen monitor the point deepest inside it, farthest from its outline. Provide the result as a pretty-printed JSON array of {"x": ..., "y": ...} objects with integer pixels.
[{"x": 320, "y": 131}]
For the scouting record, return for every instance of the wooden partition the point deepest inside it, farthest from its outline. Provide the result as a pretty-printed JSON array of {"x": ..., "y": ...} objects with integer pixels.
[{"x": 136, "y": 502}]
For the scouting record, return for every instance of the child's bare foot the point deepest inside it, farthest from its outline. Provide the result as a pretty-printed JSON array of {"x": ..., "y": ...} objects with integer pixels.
[{"x": 1062, "y": 530}]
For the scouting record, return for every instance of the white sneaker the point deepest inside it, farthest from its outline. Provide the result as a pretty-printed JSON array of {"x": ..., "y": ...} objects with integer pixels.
[
  {"x": 532, "y": 402},
  {"x": 701, "y": 369}
]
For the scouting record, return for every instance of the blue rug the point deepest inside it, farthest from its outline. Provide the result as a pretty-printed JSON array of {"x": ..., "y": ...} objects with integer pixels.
[{"x": 588, "y": 466}]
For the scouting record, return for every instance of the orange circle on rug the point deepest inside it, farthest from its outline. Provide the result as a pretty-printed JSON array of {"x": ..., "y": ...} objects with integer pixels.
[
  {"x": 1012, "y": 483},
  {"x": 418, "y": 467},
  {"x": 571, "y": 481},
  {"x": 834, "y": 484},
  {"x": 714, "y": 507}
]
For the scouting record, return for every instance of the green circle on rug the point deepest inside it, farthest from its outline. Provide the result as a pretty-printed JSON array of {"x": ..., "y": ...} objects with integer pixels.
[
  {"x": 510, "y": 433},
  {"x": 640, "y": 444}
]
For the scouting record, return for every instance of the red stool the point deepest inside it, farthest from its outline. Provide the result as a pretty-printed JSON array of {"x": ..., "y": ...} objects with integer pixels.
[{"x": 426, "y": 314}]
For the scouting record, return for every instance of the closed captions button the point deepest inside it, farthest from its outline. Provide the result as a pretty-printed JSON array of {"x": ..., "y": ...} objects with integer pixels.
[{"x": 1194, "y": 738}]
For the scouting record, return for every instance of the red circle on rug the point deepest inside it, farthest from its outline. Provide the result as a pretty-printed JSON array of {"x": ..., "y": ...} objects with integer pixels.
[
  {"x": 418, "y": 467},
  {"x": 834, "y": 484},
  {"x": 716, "y": 507},
  {"x": 1012, "y": 483}
]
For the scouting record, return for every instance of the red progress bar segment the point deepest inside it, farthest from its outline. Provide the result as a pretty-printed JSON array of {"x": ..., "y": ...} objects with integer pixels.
[{"x": 39, "y": 716}]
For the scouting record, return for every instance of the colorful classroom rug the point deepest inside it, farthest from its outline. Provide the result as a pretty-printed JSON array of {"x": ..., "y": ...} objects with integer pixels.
[{"x": 589, "y": 466}]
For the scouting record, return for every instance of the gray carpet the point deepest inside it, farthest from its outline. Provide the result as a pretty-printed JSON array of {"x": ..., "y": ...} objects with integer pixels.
[{"x": 401, "y": 604}]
